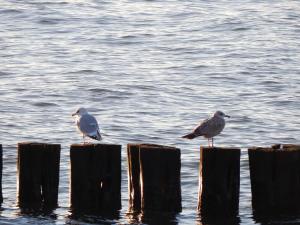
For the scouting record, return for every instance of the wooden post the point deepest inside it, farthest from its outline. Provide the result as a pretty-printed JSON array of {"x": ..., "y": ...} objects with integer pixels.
[
  {"x": 1, "y": 168},
  {"x": 134, "y": 189},
  {"x": 275, "y": 179},
  {"x": 38, "y": 175},
  {"x": 219, "y": 182},
  {"x": 154, "y": 178},
  {"x": 95, "y": 177}
]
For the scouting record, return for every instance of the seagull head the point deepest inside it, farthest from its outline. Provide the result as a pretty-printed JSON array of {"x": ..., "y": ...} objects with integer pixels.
[
  {"x": 81, "y": 111},
  {"x": 221, "y": 114}
]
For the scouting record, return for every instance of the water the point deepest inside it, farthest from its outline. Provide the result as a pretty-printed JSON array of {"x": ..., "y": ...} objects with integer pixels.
[{"x": 149, "y": 71}]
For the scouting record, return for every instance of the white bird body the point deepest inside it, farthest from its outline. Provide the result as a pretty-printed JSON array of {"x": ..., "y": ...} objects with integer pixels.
[
  {"x": 210, "y": 127},
  {"x": 87, "y": 124}
]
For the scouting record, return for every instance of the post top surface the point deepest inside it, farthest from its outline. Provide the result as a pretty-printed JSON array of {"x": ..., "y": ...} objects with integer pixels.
[
  {"x": 36, "y": 143},
  {"x": 277, "y": 147},
  {"x": 93, "y": 145},
  {"x": 219, "y": 148},
  {"x": 152, "y": 146}
]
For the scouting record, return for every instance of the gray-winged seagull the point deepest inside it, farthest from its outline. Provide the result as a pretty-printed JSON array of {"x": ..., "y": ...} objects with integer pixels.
[
  {"x": 209, "y": 127},
  {"x": 87, "y": 124}
]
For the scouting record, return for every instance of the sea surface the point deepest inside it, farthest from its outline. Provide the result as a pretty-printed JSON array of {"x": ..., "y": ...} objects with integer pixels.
[{"x": 150, "y": 71}]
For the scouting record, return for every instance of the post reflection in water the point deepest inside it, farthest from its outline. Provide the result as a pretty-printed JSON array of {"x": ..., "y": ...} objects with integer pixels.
[
  {"x": 105, "y": 217},
  {"x": 47, "y": 214},
  {"x": 275, "y": 218},
  {"x": 215, "y": 219},
  {"x": 157, "y": 218}
]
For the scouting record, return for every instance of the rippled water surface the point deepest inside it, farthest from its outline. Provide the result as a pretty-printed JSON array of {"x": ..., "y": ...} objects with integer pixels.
[{"x": 149, "y": 71}]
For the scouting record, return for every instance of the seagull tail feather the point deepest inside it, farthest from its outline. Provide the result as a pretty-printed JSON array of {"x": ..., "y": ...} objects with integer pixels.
[
  {"x": 97, "y": 136},
  {"x": 189, "y": 136}
]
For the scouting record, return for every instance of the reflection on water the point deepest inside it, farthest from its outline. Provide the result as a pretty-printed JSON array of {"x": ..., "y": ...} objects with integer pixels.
[
  {"x": 43, "y": 214},
  {"x": 273, "y": 218},
  {"x": 104, "y": 217},
  {"x": 155, "y": 218},
  {"x": 213, "y": 219},
  {"x": 37, "y": 212}
]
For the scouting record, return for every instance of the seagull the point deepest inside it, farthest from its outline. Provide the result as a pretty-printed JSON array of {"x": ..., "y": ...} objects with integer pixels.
[
  {"x": 209, "y": 127},
  {"x": 87, "y": 124}
]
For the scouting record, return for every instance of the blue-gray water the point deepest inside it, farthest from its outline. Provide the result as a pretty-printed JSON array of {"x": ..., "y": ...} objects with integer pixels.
[{"x": 149, "y": 71}]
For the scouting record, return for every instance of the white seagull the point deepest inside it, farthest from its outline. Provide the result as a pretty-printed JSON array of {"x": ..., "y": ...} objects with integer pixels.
[
  {"x": 87, "y": 124},
  {"x": 209, "y": 127}
]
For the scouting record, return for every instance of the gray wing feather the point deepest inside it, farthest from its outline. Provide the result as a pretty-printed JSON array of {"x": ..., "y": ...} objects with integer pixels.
[
  {"x": 210, "y": 127},
  {"x": 202, "y": 128},
  {"x": 88, "y": 124}
]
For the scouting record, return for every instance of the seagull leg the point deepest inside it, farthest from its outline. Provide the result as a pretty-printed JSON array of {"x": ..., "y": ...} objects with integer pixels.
[
  {"x": 208, "y": 142},
  {"x": 212, "y": 142}
]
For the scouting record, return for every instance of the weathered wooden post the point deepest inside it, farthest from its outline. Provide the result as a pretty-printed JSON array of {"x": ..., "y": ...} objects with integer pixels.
[
  {"x": 1, "y": 168},
  {"x": 95, "y": 177},
  {"x": 38, "y": 175},
  {"x": 219, "y": 182},
  {"x": 275, "y": 180},
  {"x": 134, "y": 188},
  {"x": 154, "y": 178}
]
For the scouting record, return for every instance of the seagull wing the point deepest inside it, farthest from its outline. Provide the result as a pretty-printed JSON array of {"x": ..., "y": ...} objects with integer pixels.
[
  {"x": 210, "y": 127},
  {"x": 88, "y": 125},
  {"x": 203, "y": 128}
]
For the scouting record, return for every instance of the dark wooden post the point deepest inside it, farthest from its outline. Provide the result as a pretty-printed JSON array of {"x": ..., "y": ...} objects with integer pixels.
[
  {"x": 95, "y": 177},
  {"x": 275, "y": 180},
  {"x": 50, "y": 175},
  {"x": 38, "y": 175},
  {"x": 134, "y": 189},
  {"x": 219, "y": 182},
  {"x": 154, "y": 178},
  {"x": 1, "y": 168}
]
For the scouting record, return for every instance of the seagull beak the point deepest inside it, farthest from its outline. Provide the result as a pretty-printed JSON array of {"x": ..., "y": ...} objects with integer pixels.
[
  {"x": 74, "y": 114},
  {"x": 227, "y": 116}
]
